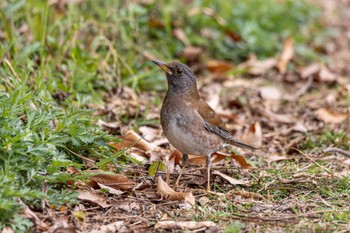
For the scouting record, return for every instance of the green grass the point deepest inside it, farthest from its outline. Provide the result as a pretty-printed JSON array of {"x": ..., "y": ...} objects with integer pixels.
[
  {"x": 36, "y": 137},
  {"x": 57, "y": 62}
]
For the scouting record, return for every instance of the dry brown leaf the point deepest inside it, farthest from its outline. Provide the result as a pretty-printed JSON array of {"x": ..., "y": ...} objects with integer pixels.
[
  {"x": 300, "y": 127},
  {"x": 235, "y": 37},
  {"x": 131, "y": 138},
  {"x": 216, "y": 66},
  {"x": 270, "y": 93},
  {"x": 180, "y": 34},
  {"x": 72, "y": 170},
  {"x": 218, "y": 157},
  {"x": 309, "y": 70},
  {"x": 110, "y": 189},
  {"x": 116, "y": 181},
  {"x": 168, "y": 193},
  {"x": 281, "y": 118},
  {"x": 93, "y": 197},
  {"x": 149, "y": 134},
  {"x": 42, "y": 226},
  {"x": 253, "y": 135},
  {"x": 258, "y": 67},
  {"x": 347, "y": 163},
  {"x": 326, "y": 75},
  {"x": 286, "y": 55},
  {"x": 231, "y": 179},
  {"x": 330, "y": 116},
  {"x": 238, "y": 158},
  {"x": 118, "y": 226},
  {"x": 176, "y": 157},
  {"x": 192, "y": 54},
  {"x": 111, "y": 126},
  {"x": 185, "y": 225},
  {"x": 197, "y": 159}
]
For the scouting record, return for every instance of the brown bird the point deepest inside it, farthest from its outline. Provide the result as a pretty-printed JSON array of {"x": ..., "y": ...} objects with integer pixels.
[{"x": 188, "y": 122}]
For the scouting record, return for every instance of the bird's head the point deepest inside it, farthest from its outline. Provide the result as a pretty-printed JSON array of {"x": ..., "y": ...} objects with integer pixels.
[{"x": 180, "y": 77}]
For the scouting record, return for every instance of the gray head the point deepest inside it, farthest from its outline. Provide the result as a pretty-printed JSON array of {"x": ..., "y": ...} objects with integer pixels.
[{"x": 180, "y": 77}]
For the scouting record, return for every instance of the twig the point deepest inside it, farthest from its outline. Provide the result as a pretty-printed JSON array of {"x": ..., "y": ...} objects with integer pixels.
[
  {"x": 337, "y": 150},
  {"x": 303, "y": 89},
  {"x": 80, "y": 156}
]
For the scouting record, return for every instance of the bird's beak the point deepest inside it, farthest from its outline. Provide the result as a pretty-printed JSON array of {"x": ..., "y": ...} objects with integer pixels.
[{"x": 162, "y": 65}]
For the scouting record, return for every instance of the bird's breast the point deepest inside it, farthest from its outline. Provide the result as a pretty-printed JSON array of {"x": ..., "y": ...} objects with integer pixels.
[{"x": 184, "y": 128}]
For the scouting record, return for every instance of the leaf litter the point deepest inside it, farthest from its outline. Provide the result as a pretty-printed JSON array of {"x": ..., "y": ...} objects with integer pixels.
[{"x": 271, "y": 107}]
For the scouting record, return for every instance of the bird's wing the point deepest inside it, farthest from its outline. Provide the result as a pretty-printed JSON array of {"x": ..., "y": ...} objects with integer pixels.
[{"x": 214, "y": 124}]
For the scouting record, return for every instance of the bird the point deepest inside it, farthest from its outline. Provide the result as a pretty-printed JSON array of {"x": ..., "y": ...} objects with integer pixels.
[{"x": 188, "y": 122}]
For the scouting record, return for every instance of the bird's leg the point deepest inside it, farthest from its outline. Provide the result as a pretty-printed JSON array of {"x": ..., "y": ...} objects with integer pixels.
[
  {"x": 184, "y": 163},
  {"x": 208, "y": 173}
]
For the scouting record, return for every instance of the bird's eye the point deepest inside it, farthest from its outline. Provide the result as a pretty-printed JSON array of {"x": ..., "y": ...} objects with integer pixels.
[{"x": 178, "y": 71}]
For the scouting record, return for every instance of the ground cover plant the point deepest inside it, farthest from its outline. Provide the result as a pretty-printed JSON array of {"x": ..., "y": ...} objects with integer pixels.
[{"x": 81, "y": 147}]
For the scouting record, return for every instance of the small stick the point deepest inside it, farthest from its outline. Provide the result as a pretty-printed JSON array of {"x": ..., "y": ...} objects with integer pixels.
[{"x": 337, "y": 150}]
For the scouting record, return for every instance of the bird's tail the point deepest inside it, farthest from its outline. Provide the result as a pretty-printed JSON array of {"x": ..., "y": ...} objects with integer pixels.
[{"x": 241, "y": 144}]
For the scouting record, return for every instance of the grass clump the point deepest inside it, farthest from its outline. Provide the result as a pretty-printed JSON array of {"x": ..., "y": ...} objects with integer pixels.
[{"x": 35, "y": 138}]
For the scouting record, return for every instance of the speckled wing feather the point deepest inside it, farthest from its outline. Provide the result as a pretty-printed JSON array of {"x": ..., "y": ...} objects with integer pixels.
[{"x": 214, "y": 124}]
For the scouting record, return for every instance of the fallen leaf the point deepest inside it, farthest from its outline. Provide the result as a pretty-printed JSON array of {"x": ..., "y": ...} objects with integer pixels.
[
  {"x": 253, "y": 135},
  {"x": 168, "y": 193},
  {"x": 72, "y": 170},
  {"x": 116, "y": 181},
  {"x": 42, "y": 226},
  {"x": 118, "y": 226},
  {"x": 110, "y": 189},
  {"x": 131, "y": 138},
  {"x": 192, "y": 54},
  {"x": 203, "y": 200},
  {"x": 219, "y": 156},
  {"x": 330, "y": 116},
  {"x": 176, "y": 156},
  {"x": 309, "y": 70},
  {"x": 112, "y": 127},
  {"x": 140, "y": 159},
  {"x": 347, "y": 162},
  {"x": 149, "y": 134},
  {"x": 238, "y": 158},
  {"x": 126, "y": 205},
  {"x": 270, "y": 93},
  {"x": 326, "y": 75},
  {"x": 235, "y": 37},
  {"x": 258, "y": 67},
  {"x": 281, "y": 118},
  {"x": 155, "y": 23},
  {"x": 216, "y": 66},
  {"x": 286, "y": 55},
  {"x": 155, "y": 167},
  {"x": 300, "y": 127},
  {"x": 231, "y": 179},
  {"x": 93, "y": 197},
  {"x": 185, "y": 225},
  {"x": 180, "y": 34}
]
